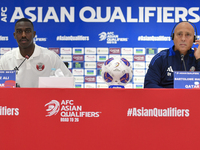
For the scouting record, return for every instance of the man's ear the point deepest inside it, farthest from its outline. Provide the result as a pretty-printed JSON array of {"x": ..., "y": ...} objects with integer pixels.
[
  {"x": 34, "y": 33},
  {"x": 14, "y": 35}
]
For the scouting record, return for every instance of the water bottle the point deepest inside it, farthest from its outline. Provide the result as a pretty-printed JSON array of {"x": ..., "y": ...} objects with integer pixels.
[{"x": 52, "y": 73}]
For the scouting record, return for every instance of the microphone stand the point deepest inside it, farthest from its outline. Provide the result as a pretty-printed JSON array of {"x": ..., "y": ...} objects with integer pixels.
[
  {"x": 182, "y": 59},
  {"x": 17, "y": 68}
]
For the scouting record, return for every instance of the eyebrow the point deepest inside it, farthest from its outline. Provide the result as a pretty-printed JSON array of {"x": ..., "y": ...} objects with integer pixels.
[
  {"x": 183, "y": 31},
  {"x": 21, "y": 28}
]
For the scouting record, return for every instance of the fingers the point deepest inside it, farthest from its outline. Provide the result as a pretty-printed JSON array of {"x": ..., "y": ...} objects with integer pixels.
[{"x": 197, "y": 42}]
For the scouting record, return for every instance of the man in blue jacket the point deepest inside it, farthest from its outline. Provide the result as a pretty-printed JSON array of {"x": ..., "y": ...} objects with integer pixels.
[{"x": 180, "y": 57}]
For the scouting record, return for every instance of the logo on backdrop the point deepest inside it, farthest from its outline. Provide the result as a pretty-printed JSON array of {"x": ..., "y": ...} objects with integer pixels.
[
  {"x": 69, "y": 112},
  {"x": 3, "y": 38},
  {"x": 6, "y": 111},
  {"x": 111, "y": 38},
  {"x": 53, "y": 107},
  {"x": 37, "y": 39},
  {"x": 154, "y": 38},
  {"x": 156, "y": 112},
  {"x": 62, "y": 14},
  {"x": 72, "y": 38}
]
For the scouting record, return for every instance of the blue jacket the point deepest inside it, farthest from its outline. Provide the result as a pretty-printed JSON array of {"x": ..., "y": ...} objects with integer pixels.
[{"x": 160, "y": 73}]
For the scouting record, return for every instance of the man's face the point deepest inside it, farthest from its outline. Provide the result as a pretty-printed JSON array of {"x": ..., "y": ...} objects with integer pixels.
[
  {"x": 24, "y": 34},
  {"x": 183, "y": 37}
]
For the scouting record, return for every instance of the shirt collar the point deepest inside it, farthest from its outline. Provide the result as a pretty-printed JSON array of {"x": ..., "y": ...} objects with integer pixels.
[
  {"x": 35, "y": 53},
  {"x": 172, "y": 52}
]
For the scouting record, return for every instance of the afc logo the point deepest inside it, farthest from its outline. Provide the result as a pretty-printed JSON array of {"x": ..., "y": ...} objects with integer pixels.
[
  {"x": 53, "y": 106},
  {"x": 3, "y": 14}
]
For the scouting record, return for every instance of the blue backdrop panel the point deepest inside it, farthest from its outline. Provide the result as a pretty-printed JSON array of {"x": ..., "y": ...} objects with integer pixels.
[{"x": 91, "y": 28}]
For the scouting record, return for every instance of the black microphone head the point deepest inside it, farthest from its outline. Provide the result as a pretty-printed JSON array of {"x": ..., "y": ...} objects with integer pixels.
[
  {"x": 182, "y": 55},
  {"x": 16, "y": 68}
]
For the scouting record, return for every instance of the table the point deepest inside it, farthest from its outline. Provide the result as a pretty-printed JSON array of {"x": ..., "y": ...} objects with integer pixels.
[{"x": 99, "y": 119}]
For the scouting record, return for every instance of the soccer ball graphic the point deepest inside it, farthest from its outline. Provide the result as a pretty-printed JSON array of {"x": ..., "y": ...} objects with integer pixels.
[{"x": 116, "y": 71}]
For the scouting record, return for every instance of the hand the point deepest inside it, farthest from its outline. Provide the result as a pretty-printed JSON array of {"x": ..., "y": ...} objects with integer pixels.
[{"x": 197, "y": 50}]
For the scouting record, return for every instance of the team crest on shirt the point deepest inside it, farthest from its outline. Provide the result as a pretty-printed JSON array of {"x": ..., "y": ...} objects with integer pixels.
[{"x": 40, "y": 66}]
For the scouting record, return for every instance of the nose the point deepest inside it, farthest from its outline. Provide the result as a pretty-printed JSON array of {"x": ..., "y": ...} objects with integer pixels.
[
  {"x": 183, "y": 38},
  {"x": 23, "y": 34}
]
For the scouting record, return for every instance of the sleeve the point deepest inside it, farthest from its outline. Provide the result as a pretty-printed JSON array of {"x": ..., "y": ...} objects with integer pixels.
[
  {"x": 154, "y": 73},
  {"x": 198, "y": 65},
  {"x": 3, "y": 60},
  {"x": 1, "y": 67}
]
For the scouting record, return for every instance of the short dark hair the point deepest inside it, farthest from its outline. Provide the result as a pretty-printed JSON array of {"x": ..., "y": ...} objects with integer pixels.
[{"x": 24, "y": 19}]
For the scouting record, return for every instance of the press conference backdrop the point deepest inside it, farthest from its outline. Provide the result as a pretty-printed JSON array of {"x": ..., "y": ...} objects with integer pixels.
[{"x": 86, "y": 33}]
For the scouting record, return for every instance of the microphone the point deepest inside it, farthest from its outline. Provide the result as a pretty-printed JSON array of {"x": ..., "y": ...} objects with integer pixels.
[
  {"x": 17, "y": 68},
  {"x": 26, "y": 57},
  {"x": 182, "y": 59}
]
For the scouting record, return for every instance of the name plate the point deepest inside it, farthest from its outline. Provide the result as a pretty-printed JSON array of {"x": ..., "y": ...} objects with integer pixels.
[
  {"x": 186, "y": 79},
  {"x": 7, "y": 78},
  {"x": 56, "y": 82}
]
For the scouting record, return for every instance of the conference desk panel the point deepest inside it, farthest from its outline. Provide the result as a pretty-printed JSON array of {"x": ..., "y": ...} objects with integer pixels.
[{"x": 96, "y": 119}]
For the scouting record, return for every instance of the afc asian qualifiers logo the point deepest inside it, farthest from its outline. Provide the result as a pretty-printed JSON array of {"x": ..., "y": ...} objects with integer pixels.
[
  {"x": 69, "y": 111},
  {"x": 102, "y": 36},
  {"x": 53, "y": 107},
  {"x": 111, "y": 38}
]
